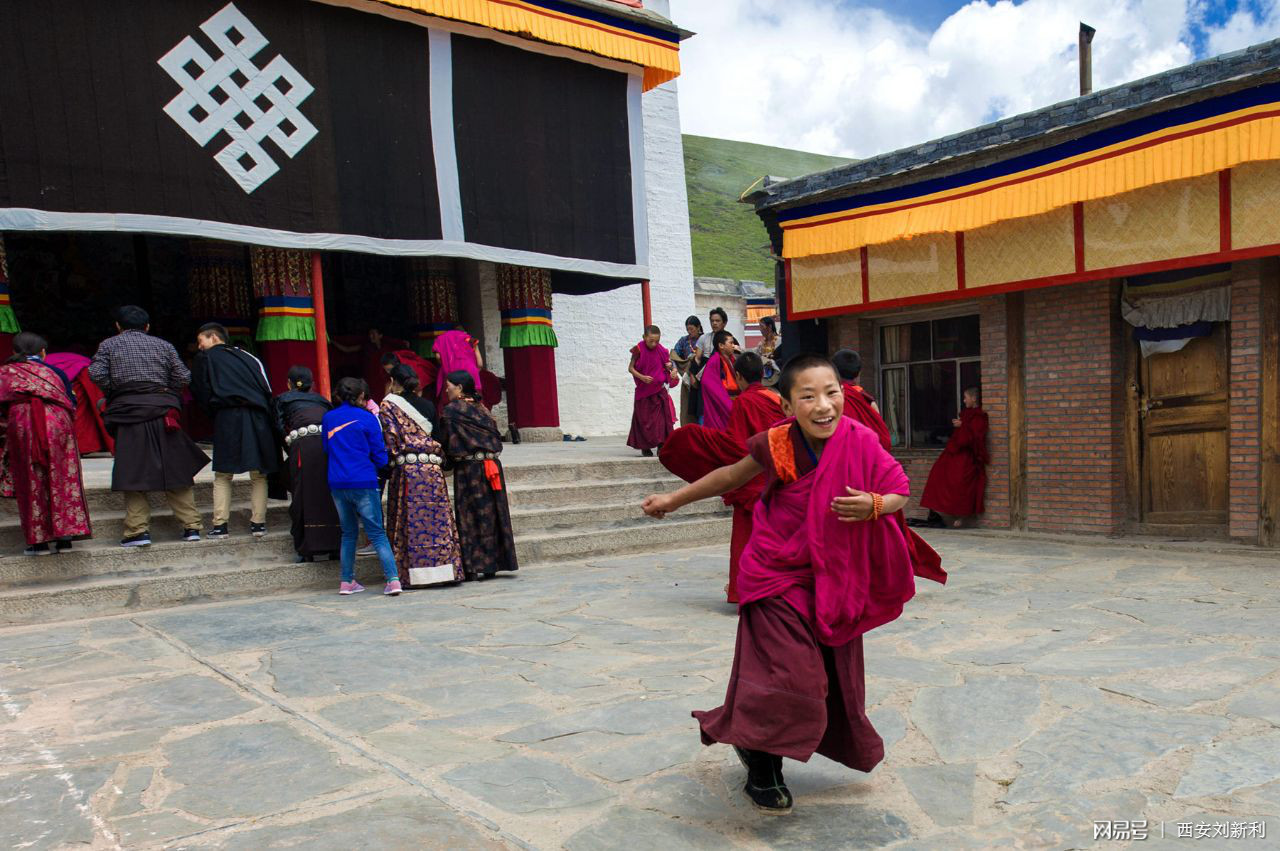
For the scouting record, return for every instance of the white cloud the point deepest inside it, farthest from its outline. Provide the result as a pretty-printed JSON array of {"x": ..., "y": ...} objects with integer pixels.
[{"x": 834, "y": 78}]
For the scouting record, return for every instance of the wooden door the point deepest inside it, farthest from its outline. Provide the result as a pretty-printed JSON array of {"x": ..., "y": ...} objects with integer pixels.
[{"x": 1183, "y": 416}]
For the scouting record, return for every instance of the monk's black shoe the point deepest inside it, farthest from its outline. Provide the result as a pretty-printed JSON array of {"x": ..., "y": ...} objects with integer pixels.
[{"x": 765, "y": 786}]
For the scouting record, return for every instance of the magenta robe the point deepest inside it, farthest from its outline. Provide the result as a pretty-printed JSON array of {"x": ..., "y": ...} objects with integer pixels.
[
  {"x": 456, "y": 351},
  {"x": 716, "y": 401},
  {"x": 40, "y": 466},
  {"x": 653, "y": 412}
]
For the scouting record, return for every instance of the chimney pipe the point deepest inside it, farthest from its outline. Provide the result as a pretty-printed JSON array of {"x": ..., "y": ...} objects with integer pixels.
[{"x": 1086, "y": 58}]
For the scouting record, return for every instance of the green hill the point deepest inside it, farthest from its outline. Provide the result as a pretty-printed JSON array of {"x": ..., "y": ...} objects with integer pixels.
[{"x": 728, "y": 239}]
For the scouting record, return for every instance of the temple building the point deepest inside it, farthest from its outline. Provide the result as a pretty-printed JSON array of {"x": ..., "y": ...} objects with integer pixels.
[
  {"x": 304, "y": 171},
  {"x": 1106, "y": 270}
]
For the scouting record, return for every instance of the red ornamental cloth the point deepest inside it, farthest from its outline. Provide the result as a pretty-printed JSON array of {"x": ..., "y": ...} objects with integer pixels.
[
  {"x": 279, "y": 356},
  {"x": 91, "y": 431},
  {"x": 532, "y": 398},
  {"x": 958, "y": 479},
  {"x": 40, "y": 466}
]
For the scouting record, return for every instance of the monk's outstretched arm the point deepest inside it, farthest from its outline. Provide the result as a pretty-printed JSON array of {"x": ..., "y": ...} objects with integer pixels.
[{"x": 715, "y": 483}]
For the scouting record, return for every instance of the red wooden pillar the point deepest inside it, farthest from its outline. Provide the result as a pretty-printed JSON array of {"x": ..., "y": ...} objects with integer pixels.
[
  {"x": 648, "y": 303},
  {"x": 322, "y": 330}
]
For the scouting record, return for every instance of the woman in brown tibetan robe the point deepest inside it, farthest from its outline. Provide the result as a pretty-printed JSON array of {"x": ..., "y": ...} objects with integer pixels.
[
  {"x": 472, "y": 445},
  {"x": 313, "y": 517}
]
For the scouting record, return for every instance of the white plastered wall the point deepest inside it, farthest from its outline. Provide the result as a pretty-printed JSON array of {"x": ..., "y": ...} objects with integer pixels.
[{"x": 597, "y": 331}]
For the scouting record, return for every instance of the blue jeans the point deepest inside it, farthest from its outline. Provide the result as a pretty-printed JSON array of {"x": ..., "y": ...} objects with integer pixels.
[{"x": 363, "y": 505}]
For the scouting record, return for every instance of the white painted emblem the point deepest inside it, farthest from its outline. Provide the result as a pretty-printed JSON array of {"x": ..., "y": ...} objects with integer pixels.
[{"x": 232, "y": 94}]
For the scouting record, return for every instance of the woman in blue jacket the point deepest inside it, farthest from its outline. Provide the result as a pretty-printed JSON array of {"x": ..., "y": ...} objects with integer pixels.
[{"x": 353, "y": 445}]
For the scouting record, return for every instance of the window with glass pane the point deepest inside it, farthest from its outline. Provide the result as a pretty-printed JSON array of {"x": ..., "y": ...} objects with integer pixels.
[{"x": 926, "y": 366}]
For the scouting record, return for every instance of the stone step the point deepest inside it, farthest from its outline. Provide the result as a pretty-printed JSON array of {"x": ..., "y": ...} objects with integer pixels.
[
  {"x": 636, "y": 536},
  {"x": 593, "y": 470},
  {"x": 173, "y": 573},
  {"x": 632, "y": 491},
  {"x": 108, "y": 525},
  {"x": 103, "y": 555}
]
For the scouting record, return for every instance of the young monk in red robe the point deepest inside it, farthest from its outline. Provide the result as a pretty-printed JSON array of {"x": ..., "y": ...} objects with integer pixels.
[
  {"x": 693, "y": 451},
  {"x": 653, "y": 412},
  {"x": 718, "y": 395},
  {"x": 825, "y": 564},
  {"x": 958, "y": 480}
]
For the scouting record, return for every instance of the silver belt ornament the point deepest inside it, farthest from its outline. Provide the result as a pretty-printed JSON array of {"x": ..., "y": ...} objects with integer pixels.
[
  {"x": 305, "y": 431},
  {"x": 481, "y": 456},
  {"x": 415, "y": 458}
]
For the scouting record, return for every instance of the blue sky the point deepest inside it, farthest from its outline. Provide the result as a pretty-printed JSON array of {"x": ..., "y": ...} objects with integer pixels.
[{"x": 860, "y": 77}]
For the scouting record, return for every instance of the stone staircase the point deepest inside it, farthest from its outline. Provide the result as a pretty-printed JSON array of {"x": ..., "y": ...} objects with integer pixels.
[{"x": 570, "y": 509}]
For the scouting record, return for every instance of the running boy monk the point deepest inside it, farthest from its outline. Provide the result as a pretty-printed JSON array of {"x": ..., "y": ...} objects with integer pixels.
[{"x": 824, "y": 565}]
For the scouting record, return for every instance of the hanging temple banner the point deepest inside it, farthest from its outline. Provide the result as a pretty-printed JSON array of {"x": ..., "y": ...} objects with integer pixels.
[{"x": 304, "y": 125}]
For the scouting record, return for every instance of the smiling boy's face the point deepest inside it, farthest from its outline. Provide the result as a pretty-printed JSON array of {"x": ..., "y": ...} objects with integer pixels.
[{"x": 816, "y": 402}]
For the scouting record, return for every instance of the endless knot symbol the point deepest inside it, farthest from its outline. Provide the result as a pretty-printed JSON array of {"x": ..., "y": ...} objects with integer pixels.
[{"x": 232, "y": 94}]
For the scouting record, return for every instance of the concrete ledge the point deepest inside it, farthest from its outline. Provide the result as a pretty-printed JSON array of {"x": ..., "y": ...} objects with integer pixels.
[{"x": 541, "y": 435}]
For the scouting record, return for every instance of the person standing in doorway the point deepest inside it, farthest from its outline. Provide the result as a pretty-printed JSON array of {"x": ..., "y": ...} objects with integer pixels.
[
  {"x": 313, "y": 517},
  {"x": 40, "y": 465},
  {"x": 232, "y": 387},
  {"x": 958, "y": 480},
  {"x": 354, "y": 448},
  {"x": 143, "y": 379},
  {"x": 653, "y": 413}
]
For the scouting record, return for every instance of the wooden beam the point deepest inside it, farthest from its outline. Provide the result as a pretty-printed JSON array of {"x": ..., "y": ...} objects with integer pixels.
[
  {"x": 1269, "y": 479},
  {"x": 1016, "y": 354},
  {"x": 322, "y": 328},
  {"x": 1132, "y": 428}
]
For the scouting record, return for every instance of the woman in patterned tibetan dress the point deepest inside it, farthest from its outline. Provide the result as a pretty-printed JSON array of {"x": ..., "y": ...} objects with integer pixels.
[
  {"x": 419, "y": 517},
  {"x": 314, "y": 520},
  {"x": 40, "y": 463},
  {"x": 472, "y": 445}
]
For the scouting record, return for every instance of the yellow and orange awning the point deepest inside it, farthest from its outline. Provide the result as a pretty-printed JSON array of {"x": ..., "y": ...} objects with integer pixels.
[{"x": 586, "y": 28}]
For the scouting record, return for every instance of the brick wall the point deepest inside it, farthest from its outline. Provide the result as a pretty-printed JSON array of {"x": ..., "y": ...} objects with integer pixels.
[
  {"x": 1075, "y": 378},
  {"x": 1245, "y": 426},
  {"x": 995, "y": 401}
]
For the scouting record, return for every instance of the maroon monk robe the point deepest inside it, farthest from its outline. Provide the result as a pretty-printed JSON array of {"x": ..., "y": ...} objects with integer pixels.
[
  {"x": 958, "y": 479},
  {"x": 423, "y": 368},
  {"x": 40, "y": 465},
  {"x": 925, "y": 561},
  {"x": 694, "y": 450},
  {"x": 653, "y": 413}
]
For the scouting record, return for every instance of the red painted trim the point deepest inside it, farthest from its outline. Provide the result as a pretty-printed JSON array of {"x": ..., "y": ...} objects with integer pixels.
[
  {"x": 646, "y": 302},
  {"x": 960, "y": 283},
  {"x": 1024, "y": 178},
  {"x": 1055, "y": 280},
  {"x": 1224, "y": 210},
  {"x": 1077, "y": 229},
  {"x": 322, "y": 327},
  {"x": 865, "y": 263}
]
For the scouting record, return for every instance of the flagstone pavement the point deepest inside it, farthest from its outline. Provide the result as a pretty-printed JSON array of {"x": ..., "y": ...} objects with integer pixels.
[{"x": 1047, "y": 687}]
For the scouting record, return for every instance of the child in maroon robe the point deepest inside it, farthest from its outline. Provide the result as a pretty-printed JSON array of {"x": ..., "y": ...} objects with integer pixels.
[
  {"x": 958, "y": 479},
  {"x": 825, "y": 563},
  {"x": 653, "y": 413},
  {"x": 694, "y": 450}
]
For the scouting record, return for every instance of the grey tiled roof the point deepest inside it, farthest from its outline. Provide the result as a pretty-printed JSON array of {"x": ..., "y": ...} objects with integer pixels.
[
  {"x": 646, "y": 16},
  {"x": 1032, "y": 130}
]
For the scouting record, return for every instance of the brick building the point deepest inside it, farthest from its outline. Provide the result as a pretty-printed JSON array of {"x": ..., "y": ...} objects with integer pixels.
[{"x": 1106, "y": 269}]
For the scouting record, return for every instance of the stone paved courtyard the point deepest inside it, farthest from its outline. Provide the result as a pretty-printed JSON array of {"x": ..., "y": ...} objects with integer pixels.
[{"x": 1048, "y": 686}]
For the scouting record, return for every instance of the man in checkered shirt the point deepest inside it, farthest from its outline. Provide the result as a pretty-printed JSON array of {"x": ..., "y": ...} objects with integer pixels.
[{"x": 143, "y": 378}]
